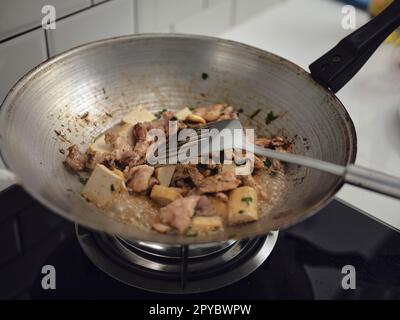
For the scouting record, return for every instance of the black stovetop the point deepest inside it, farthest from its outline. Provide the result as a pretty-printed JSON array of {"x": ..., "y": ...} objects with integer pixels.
[{"x": 306, "y": 262}]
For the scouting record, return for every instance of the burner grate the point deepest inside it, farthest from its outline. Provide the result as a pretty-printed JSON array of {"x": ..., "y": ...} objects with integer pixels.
[{"x": 175, "y": 269}]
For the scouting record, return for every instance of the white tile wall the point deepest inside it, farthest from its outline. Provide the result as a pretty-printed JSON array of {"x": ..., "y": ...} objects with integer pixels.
[
  {"x": 19, "y": 15},
  {"x": 210, "y": 21},
  {"x": 244, "y": 9},
  {"x": 161, "y": 15},
  {"x": 107, "y": 20},
  {"x": 16, "y": 59}
]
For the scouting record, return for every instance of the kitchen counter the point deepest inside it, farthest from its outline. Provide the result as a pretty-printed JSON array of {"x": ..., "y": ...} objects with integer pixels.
[{"x": 302, "y": 31}]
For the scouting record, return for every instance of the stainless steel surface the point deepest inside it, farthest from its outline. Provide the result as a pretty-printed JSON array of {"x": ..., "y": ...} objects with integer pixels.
[
  {"x": 42, "y": 114},
  {"x": 153, "y": 271}
]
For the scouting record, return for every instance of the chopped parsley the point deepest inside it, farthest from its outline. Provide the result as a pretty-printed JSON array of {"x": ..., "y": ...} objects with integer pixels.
[
  {"x": 270, "y": 117},
  {"x": 112, "y": 188},
  {"x": 267, "y": 163},
  {"x": 174, "y": 118},
  {"x": 159, "y": 114},
  {"x": 247, "y": 200},
  {"x": 252, "y": 116}
]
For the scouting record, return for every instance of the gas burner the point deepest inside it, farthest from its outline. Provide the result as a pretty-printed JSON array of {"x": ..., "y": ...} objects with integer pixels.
[{"x": 175, "y": 268}]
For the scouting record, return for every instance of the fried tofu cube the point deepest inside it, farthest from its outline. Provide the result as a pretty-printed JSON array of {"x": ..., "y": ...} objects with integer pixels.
[
  {"x": 164, "y": 195},
  {"x": 126, "y": 130},
  {"x": 242, "y": 206},
  {"x": 182, "y": 114},
  {"x": 103, "y": 185},
  {"x": 204, "y": 225},
  {"x": 164, "y": 174},
  {"x": 100, "y": 145},
  {"x": 137, "y": 115}
]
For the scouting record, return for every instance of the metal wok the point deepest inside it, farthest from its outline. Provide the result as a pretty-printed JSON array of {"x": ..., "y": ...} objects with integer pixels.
[{"x": 41, "y": 114}]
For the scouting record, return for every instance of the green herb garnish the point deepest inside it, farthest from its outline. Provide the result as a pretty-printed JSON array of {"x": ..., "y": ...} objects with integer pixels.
[
  {"x": 267, "y": 163},
  {"x": 272, "y": 174},
  {"x": 255, "y": 113},
  {"x": 270, "y": 117},
  {"x": 247, "y": 200},
  {"x": 160, "y": 113},
  {"x": 112, "y": 188}
]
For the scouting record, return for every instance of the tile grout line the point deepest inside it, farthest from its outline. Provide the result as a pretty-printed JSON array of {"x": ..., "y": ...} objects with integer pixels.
[{"x": 46, "y": 41}]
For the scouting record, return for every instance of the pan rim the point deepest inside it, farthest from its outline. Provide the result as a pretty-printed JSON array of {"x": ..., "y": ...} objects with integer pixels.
[{"x": 25, "y": 79}]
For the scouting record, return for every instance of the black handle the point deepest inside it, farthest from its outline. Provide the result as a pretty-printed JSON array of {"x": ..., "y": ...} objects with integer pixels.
[{"x": 334, "y": 69}]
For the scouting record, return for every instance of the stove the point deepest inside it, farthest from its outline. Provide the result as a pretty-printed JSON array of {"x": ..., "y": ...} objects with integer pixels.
[{"x": 308, "y": 261}]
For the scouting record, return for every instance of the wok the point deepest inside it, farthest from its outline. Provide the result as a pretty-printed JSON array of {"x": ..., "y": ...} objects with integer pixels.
[{"x": 42, "y": 113}]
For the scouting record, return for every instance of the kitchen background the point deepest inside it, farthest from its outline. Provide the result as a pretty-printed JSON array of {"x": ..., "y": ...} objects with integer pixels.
[{"x": 300, "y": 30}]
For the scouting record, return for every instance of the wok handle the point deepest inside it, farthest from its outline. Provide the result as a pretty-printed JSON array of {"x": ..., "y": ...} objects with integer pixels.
[
  {"x": 373, "y": 180},
  {"x": 334, "y": 69},
  {"x": 7, "y": 175}
]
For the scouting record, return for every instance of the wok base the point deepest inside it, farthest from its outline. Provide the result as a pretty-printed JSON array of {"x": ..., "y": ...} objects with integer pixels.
[{"x": 175, "y": 269}]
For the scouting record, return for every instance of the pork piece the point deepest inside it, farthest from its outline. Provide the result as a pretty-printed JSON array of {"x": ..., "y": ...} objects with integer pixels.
[
  {"x": 75, "y": 159},
  {"x": 179, "y": 213},
  {"x": 94, "y": 157},
  {"x": 228, "y": 113},
  {"x": 139, "y": 178},
  {"x": 194, "y": 174},
  {"x": 119, "y": 144},
  {"x": 140, "y": 131},
  {"x": 216, "y": 112},
  {"x": 262, "y": 142},
  {"x": 184, "y": 171},
  {"x": 136, "y": 156},
  {"x": 204, "y": 207},
  {"x": 281, "y": 144},
  {"x": 259, "y": 162},
  {"x": 223, "y": 181}
]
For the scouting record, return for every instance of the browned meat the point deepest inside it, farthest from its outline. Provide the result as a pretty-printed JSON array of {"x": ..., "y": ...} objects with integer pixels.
[
  {"x": 140, "y": 131},
  {"x": 119, "y": 144},
  {"x": 204, "y": 207},
  {"x": 194, "y": 174},
  {"x": 75, "y": 159},
  {"x": 216, "y": 112},
  {"x": 223, "y": 181},
  {"x": 94, "y": 157},
  {"x": 262, "y": 142},
  {"x": 178, "y": 214},
  {"x": 139, "y": 178},
  {"x": 281, "y": 144},
  {"x": 258, "y": 162}
]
